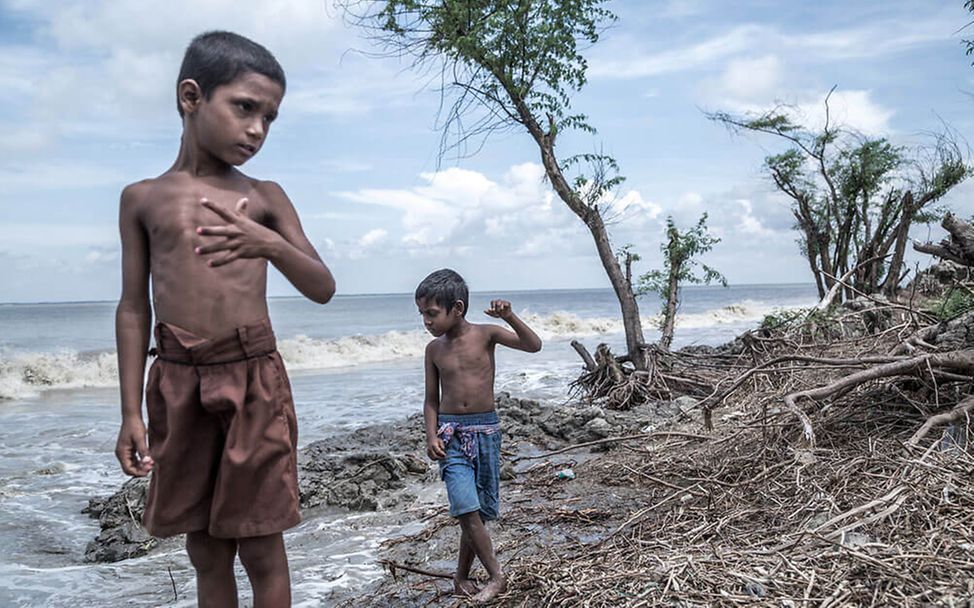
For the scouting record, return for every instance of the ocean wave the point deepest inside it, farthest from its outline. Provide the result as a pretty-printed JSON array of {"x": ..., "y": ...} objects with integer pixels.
[
  {"x": 28, "y": 374},
  {"x": 304, "y": 353},
  {"x": 746, "y": 311},
  {"x": 565, "y": 324}
]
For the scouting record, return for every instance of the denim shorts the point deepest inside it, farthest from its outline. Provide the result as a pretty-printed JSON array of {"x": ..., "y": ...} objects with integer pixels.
[{"x": 473, "y": 485}]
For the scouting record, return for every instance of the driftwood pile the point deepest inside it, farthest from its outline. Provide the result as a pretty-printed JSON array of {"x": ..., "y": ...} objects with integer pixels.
[
  {"x": 841, "y": 472},
  {"x": 862, "y": 519}
]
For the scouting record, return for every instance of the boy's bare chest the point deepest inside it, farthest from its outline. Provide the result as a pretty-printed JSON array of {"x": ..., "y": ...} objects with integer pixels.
[
  {"x": 172, "y": 218},
  {"x": 474, "y": 356}
]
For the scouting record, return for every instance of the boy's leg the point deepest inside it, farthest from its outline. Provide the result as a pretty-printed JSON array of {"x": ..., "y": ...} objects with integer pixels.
[
  {"x": 213, "y": 560},
  {"x": 462, "y": 585},
  {"x": 476, "y": 532},
  {"x": 265, "y": 560}
]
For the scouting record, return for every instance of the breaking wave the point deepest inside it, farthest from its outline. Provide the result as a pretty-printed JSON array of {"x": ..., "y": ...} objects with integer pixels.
[{"x": 28, "y": 374}]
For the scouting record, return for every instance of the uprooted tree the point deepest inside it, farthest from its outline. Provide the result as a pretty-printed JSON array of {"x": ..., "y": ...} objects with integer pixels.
[
  {"x": 679, "y": 262},
  {"x": 854, "y": 198},
  {"x": 513, "y": 66}
]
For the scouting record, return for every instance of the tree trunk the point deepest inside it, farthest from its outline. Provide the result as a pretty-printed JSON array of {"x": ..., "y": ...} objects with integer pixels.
[
  {"x": 672, "y": 299},
  {"x": 629, "y": 269},
  {"x": 811, "y": 251},
  {"x": 584, "y": 354},
  {"x": 962, "y": 236},
  {"x": 635, "y": 342},
  {"x": 959, "y": 247},
  {"x": 892, "y": 280},
  {"x": 828, "y": 271}
]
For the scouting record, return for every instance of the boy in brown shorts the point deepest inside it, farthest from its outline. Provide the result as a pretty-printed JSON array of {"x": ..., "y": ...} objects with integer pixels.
[{"x": 222, "y": 433}]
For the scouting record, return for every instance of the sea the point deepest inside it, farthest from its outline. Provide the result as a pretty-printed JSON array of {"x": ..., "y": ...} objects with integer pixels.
[{"x": 353, "y": 362}]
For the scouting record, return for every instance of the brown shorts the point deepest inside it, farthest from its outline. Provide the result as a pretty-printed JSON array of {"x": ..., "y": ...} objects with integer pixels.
[{"x": 222, "y": 433}]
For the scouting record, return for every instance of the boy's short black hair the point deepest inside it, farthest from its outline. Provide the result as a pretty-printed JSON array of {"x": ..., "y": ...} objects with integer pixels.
[
  {"x": 217, "y": 58},
  {"x": 444, "y": 287}
]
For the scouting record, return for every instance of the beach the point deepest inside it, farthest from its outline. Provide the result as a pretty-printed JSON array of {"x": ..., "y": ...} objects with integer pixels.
[{"x": 354, "y": 364}]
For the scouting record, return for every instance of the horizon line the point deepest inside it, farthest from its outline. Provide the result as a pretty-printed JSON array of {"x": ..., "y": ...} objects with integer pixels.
[{"x": 405, "y": 293}]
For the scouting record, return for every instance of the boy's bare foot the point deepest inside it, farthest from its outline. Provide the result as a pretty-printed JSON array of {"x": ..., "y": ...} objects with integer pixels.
[
  {"x": 464, "y": 586},
  {"x": 492, "y": 589}
]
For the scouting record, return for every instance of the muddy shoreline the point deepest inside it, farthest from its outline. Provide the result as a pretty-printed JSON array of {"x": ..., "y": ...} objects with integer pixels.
[
  {"x": 383, "y": 468},
  {"x": 547, "y": 503}
]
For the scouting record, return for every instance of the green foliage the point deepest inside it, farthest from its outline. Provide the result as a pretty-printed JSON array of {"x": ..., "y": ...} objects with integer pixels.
[
  {"x": 626, "y": 253},
  {"x": 679, "y": 260},
  {"x": 781, "y": 318},
  {"x": 862, "y": 171},
  {"x": 772, "y": 121},
  {"x": 790, "y": 165},
  {"x": 969, "y": 5},
  {"x": 955, "y": 303},
  {"x": 603, "y": 177},
  {"x": 811, "y": 323},
  {"x": 952, "y": 171},
  {"x": 526, "y": 50}
]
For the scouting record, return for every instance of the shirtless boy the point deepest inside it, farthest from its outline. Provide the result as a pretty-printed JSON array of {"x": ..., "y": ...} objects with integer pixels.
[
  {"x": 462, "y": 428},
  {"x": 222, "y": 432}
]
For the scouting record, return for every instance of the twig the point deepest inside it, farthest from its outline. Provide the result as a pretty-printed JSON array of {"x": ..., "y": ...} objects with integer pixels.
[
  {"x": 175, "y": 596},
  {"x": 393, "y": 566},
  {"x": 611, "y": 440}
]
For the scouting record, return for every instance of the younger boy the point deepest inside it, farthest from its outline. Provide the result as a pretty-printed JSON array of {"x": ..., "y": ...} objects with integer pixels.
[
  {"x": 462, "y": 428},
  {"x": 222, "y": 432}
]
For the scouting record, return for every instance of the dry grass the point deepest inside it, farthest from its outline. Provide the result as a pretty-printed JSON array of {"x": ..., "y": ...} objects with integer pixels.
[
  {"x": 860, "y": 520},
  {"x": 749, "y": 516}
]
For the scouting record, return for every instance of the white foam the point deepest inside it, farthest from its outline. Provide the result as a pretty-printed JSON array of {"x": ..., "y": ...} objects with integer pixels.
[
  {"x": 27, "y": 374},
  {"x": 739, "y": 313},
  {"x": 566, "y": 324},
  {"x": 304, "y": 353}
]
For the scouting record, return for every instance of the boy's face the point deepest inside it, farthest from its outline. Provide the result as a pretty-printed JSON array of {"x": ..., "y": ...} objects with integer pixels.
[
  {"x": 233, "y": 123},
  {"x": 437, "y": 319}
]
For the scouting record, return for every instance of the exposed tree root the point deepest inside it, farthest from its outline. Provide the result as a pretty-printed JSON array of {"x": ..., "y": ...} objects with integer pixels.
[{"x": 961, "y": 412}]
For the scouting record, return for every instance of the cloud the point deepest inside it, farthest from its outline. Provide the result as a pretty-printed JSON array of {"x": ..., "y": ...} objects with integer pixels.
[
  {"x": 755, "y": 78},
  {"x": 373, "y": 237},
  {"x": 878, "y": 38},
  {"x": 701, "y": 54},
  {"x": 121, "y": 57},
  {"x": 103, "y": 255},
  {"x": 749, "y": 224},
  {"x": 33, "y": 236},
  {"x": 463, "y": 211},
  {"x": 295, "y": 30},
  {"x": 367, "y": 245},
  {"x": 17, "y": 177},
  {"x": 852, "y": 109},
  {"x": 681, "y": 9}
]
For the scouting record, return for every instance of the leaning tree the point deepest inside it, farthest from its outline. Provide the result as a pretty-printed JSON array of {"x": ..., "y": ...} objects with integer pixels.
[
  {"x": 854, "y": 197},
  {"x": 513, "y": 65}
]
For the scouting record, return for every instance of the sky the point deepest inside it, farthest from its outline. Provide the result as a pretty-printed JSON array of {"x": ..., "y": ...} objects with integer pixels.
[{"x": 87, "y": 105}]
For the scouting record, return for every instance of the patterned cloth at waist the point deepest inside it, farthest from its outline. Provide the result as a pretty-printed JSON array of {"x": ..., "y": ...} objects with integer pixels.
[{"x": 467, "y": 435}]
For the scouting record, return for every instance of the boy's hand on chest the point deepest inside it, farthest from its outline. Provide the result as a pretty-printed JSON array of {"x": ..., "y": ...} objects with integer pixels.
[{"x": 234, "y": 234}]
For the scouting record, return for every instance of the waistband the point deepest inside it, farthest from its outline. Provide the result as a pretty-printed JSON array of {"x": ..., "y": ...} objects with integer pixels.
[
  {"x": 469, "y": 419},
  {"x": 177, "y": 345}
]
